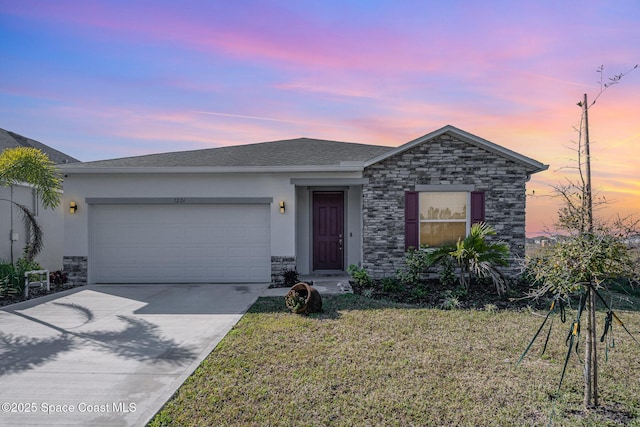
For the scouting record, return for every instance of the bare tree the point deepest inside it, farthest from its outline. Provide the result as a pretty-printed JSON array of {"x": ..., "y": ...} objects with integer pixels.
[{"x": 593, "y": 250}]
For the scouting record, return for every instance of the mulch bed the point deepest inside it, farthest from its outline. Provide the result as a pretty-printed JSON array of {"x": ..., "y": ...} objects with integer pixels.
[
  {"x": 479, "y": 296},
  {"x": 36, "y": 293}
]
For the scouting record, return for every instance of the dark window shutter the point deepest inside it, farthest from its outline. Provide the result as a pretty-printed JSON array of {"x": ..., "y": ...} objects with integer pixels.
[
  {"x": 411, "y": 220},
  {"x": 477, "y": 207}
]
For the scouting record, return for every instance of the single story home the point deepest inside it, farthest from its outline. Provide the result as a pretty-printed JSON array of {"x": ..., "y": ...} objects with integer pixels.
[
  {"x": 247, "y": 213},
  {"x": 14, "y": 234}
]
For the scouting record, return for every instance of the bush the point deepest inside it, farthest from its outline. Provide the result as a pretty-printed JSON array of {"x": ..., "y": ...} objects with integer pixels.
[
  {"x": 58, "y": 278},
  {"x": 12, "y": 277},
  {"x": 6, "y": 269},
  {"x": 7, "y": 281},
  {"x": 450, "y": 302},
  {"x": 419, "y": 292},
  {"x": 10, "y": 282},
  {"x": 447, "y": 272},
  {"x": 8, "y": 276},
  {"x": 290, "y": 277},
  {"x": 391, "y": 284},
  {"x": 359, "y": 276},
  {"x": 416, "y": 263}
]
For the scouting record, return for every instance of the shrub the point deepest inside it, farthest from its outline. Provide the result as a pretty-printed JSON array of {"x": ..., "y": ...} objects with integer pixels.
[
  {"x": 6, "y": 286},
  {"x": 368, "y": 293},
  {"x": 391, "y": 284},
  {"x": 290, "y": 277},
  {"x": 419, "y": 292},
  {"x": 416, "y": 263},
  {"x": 359, "y": 276},
  {"x": 447, "y": 272},
  {"x": 460, "y": 292},
  {"x": 12, "y": 276},
  {"x": 451, "y": 301},
  {"x": 58, "y": 278},
  {"x": 10, "y": 283},
  {"x": 23, "y": 265},
  {"x": 6, "y": 269}
]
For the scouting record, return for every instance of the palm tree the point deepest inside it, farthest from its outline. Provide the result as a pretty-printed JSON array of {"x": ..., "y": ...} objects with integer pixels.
[
  {"x": 31, "y": 166},
  {"x": 477, "y": 257}
]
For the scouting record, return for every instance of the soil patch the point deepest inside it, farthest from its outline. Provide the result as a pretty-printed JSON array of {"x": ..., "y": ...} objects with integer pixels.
[
  {"x": 434, "y": 294},
  {"x": 36, "y": 293}
]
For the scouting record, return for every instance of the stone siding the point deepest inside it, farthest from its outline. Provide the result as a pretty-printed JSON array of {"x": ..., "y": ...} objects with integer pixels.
[
  {"x": 442, "y": 160},
  {"x": 76, "y": 269},
  {"x": 279, "y": 264}
]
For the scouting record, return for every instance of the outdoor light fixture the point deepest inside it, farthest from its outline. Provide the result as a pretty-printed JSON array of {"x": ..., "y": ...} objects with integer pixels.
[
  {"x": 73, "y": 207},
  {"x": 281, "y": 206}
]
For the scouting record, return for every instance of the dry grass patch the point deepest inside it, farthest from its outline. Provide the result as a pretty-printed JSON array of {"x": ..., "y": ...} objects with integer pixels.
[{"x": 366, "y": 362}]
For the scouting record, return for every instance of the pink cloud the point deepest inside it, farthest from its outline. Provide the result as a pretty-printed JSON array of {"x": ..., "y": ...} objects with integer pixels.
[{"x": 245, "y": 35}]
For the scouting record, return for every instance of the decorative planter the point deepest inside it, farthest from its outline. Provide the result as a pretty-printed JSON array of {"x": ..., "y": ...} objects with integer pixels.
[{"x": 303, "y": 299}]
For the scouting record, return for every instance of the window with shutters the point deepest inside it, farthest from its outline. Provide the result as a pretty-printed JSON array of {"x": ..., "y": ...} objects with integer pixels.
[{"x": 438, "y": 218}]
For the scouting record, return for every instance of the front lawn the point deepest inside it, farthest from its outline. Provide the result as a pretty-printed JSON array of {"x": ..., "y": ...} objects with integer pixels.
[{"x": 369, "y": 362}]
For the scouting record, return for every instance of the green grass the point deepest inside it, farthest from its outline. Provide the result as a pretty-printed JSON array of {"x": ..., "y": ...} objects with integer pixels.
[{"x": 367, "y": 362}]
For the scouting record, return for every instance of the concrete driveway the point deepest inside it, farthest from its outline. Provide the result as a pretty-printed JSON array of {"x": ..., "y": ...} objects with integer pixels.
[{"x": 109, "y": 355}]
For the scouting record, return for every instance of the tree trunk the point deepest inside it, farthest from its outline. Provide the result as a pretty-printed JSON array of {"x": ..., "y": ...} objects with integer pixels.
[
  {"x": 590, "y": 354},
  {"x": 594, "y": 349},
  {"x": 590, "y": 360}
]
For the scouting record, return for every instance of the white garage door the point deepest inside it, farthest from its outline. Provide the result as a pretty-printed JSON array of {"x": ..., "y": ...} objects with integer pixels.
[{"x": 198, "y": 243}]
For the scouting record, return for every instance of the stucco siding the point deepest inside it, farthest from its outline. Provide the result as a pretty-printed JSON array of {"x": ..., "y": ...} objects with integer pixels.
[
  {"x": 50, "y": 221},
  {"x": 290, "y": 232},
  {"x": 80, "y": 187}
]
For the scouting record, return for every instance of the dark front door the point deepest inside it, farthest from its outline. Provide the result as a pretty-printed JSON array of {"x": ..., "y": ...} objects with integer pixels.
[{"x": 328, "y": 230}]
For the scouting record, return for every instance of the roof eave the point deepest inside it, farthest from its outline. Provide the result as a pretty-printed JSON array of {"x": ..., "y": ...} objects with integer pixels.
[
  {"x": 542, "y": 168},
  {"x": 70, "y": 169}
]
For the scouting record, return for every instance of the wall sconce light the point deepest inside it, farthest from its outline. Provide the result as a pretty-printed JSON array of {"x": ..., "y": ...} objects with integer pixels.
[
  {"x": 281, "y": 206},
  {"x": 73, "y": 207}
]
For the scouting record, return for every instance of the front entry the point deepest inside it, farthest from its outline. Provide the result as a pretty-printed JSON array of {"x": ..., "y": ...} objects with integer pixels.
[{"x": 328, "y": 230}]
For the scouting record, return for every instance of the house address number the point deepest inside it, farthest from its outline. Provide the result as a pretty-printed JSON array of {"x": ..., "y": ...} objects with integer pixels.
[{"x": 179, "y": 200}]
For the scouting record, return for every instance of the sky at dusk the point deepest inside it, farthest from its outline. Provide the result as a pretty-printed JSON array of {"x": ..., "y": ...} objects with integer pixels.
[{"x": 107, "y": 79}]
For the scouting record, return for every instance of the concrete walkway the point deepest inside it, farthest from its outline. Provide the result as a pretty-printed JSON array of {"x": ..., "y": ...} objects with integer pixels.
[
  {"x": 326, "y": 285},
  {"x": 109, "y": 355}
]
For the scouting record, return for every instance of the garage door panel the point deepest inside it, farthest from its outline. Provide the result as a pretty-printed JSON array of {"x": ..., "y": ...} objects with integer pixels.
[
  {"x": 180, "y": 243},
  {"x": 201, "y": 252},
  {"x": 260, "y": 253}
]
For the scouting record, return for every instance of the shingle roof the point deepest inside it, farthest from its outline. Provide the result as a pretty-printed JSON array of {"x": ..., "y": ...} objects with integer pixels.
[
  {"x": 291, "y": 152},
  {"x": 13, "y": 140}
]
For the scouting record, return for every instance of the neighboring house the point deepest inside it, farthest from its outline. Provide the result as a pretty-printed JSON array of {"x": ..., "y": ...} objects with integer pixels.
[
  {"x": 246, "y": 213},
  {"x": 14, "y": 235}
]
